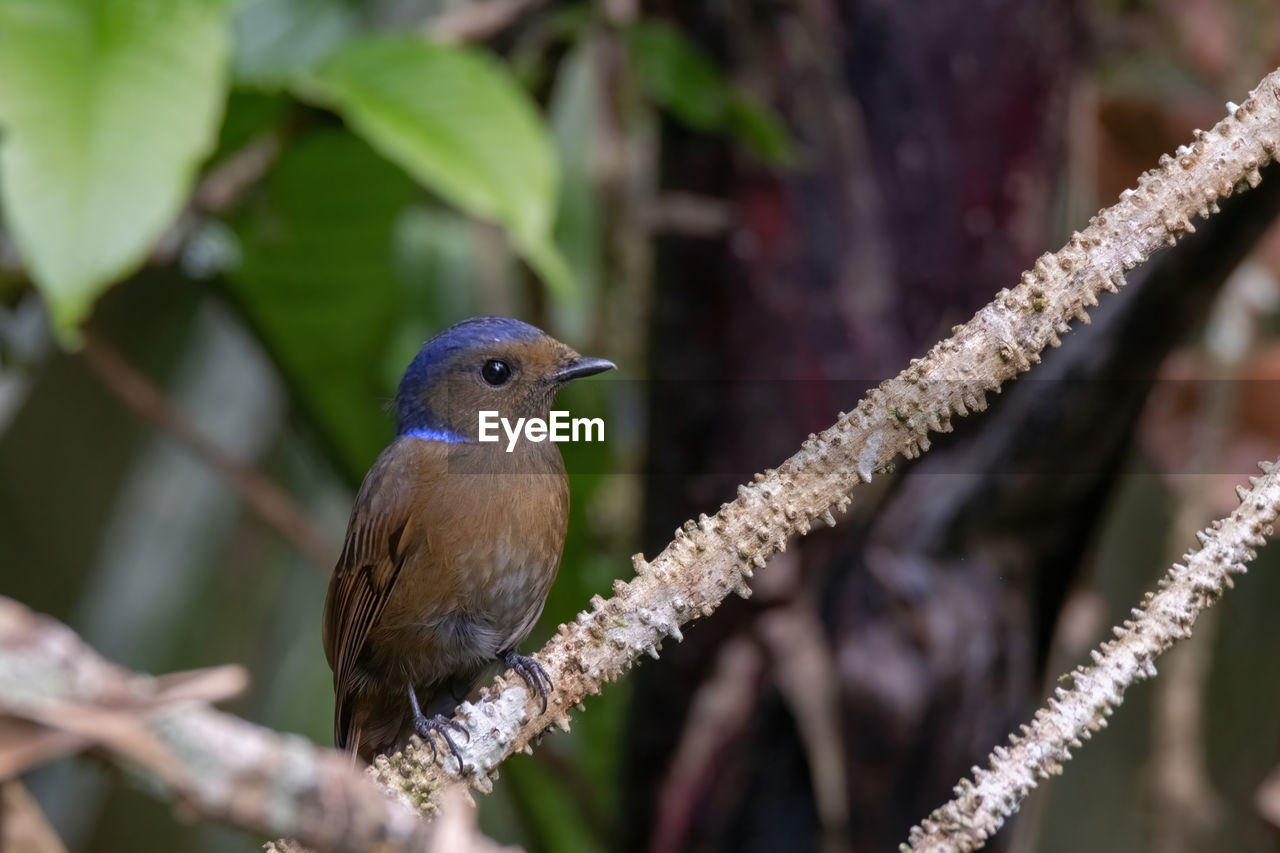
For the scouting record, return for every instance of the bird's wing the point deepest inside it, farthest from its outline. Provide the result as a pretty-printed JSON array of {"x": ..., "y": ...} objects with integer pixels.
[{"x": 371, "y": 560}]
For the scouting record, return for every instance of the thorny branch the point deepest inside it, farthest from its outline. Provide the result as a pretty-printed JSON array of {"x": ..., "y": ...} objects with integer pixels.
[
  {"x": 983, "y": 803},
  {"x": 712, "y": 557}
]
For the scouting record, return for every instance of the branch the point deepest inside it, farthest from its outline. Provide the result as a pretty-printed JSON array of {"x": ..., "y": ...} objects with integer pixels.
[
  {"x": 272, "y": 504},
  {"x": 229, "y": 181},
  {"x": 477, "y": 20},
  {"x": 222, "y": 188},
  {"x": 58, "y": 695},
  {"x": 715, "y": 556},
  {"x": 24, "y": 828},
  {"x": 982, "y": 805}
]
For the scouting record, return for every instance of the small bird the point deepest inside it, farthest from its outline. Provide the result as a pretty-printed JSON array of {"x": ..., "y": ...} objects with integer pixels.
[{"x": 453, "y": 543}]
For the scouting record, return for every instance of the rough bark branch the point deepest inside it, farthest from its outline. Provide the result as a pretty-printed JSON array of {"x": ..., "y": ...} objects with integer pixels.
[
  {"x": 712, "y": 557},
  {"x": 59, "y": 695},
  {"x": 1073, "y": 715}
]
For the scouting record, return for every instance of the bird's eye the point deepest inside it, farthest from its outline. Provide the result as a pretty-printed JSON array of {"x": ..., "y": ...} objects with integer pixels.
[{"x": 495, "y": 372}]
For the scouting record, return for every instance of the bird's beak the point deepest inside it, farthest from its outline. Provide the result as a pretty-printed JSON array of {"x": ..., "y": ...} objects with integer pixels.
[{"x": 581, "y": 367}]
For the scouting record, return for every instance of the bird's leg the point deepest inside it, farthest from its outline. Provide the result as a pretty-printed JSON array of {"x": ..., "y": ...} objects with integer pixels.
[
  {"x": 531, "y": 671},
  {"x": 439, "y": 724}
]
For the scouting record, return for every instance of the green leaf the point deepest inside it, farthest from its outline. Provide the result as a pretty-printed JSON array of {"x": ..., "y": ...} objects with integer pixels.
[
  {"x": 681, "y": 79},
  {"x": 454, "y": 118},
  {"x": 678, "y": 76},
  {"x": 319, "y": 284},
  {"x": 107, "y": 109}
]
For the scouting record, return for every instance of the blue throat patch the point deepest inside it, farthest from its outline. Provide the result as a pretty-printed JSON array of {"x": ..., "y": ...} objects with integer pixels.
[{"x": 436, "y": 434}]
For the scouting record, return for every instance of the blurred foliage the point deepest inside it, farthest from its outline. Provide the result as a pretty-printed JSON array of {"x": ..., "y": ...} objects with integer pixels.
[
  {"x": 456, "y": 120},
  {"x": 682, "y": 79},
  {"x": 85, "y": 193},
  {"x": 276, "y": 40},
  {"x": 412, "y": 180},
  {"x": 574, "y": 114},
  {"x": 318, "y": 283},
  {"x": 348, "y": 186}
]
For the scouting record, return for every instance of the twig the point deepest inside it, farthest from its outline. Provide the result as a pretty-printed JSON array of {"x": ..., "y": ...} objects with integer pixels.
[
  {"x": 719, "y": 713},
  {"x": 264, "y": 497},
  {"x": 23, "y": 827},
  {"x": 211, "y": 763},
  {"x": 221, "y": 189},
  {"x": 689, "y": 215},
  {"x": 477, "y": 20},
  {"x": 1183, "y": 797},
  {"x": 454, "y": 831},
  {"x": 1185, "y": 804},
  {"x": 982, "y": 805},
  {"x": 232, "y": 178},
  {"x": 805, "y": 672},
  {"x": 1267, "y": 798},
  {"x": 715, "y": 556}
]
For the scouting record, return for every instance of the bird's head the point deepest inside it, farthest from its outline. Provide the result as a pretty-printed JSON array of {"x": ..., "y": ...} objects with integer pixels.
[{"x": 485, "y": 363}]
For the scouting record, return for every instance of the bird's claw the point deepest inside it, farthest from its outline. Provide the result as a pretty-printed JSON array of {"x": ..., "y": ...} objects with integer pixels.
[
  {"x": 532, "y": 673},
  {"x": 438, "y": 725}
]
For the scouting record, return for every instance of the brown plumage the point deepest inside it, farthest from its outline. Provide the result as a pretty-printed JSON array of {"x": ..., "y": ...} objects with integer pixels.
[{"x": 453, "y": 543}]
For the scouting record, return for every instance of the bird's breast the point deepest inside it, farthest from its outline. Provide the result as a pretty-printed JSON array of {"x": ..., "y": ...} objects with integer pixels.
[{"x": 487, "y": 543}]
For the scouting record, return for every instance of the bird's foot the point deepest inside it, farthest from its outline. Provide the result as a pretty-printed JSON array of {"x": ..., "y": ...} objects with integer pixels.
[
  {"x": 532, "y": 673},
  {"x": 439, "y": 725}
]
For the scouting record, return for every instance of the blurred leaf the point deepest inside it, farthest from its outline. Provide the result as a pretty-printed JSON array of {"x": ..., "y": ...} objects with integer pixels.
[
  {"x": 579, "y": 233},
  {"x": 454, "y": 119},
  {"x": 276, "y": 40},
  {"x": 319, "y": 284},
  {"x": 107, "y": 108},
  {"x": 680, "y": 78},
  {"x": 434, "y": 259},
  {"x": 540, "y": 39},
  {"x": 760, "y": 130},
  {"x": 248, "y": 115}
]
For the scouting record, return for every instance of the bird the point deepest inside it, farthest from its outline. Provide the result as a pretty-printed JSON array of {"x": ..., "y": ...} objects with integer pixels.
[{"x": 453, "y": 543}]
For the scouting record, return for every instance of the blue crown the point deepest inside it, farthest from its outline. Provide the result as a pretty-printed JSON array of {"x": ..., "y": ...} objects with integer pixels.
[{"x": 411, "y": 410}]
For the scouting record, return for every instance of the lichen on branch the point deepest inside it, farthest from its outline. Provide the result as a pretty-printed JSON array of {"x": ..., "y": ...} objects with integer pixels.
[{"x": 57, "y": 695}]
